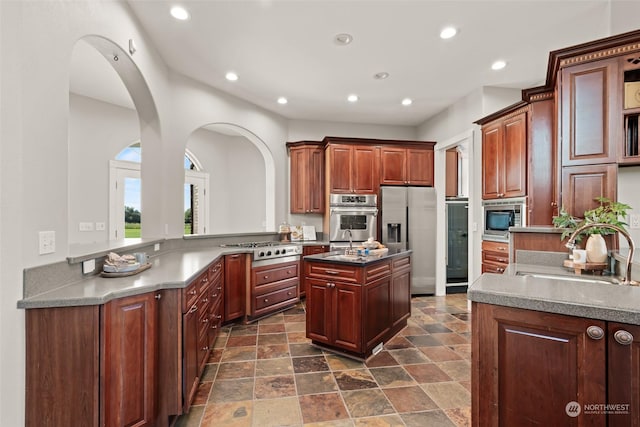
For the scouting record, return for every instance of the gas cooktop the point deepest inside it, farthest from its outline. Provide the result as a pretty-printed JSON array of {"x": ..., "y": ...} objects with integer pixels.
[{"x": 268, "y": 250}]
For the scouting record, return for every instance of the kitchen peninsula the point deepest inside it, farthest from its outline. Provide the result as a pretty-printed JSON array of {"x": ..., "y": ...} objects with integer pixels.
[{"x": 355, "y": 305}]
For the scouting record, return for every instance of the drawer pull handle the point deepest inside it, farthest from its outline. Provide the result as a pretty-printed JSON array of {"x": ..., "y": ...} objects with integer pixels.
[
  {"x": 501, "y": 248},
  {"x": 219, "y": 288},
  {"x": 193, "y": 309},
  {"x": 214, "y": 326},
  {"x": 623, "y": 337},
  {"x": 265, "y": 277},
  {"x": 501, "y": 270},
  {"x": 158, "y": 296},
  {"x": 205, "y": 320},
  {"x": 289, "y": 293},
  {"x": 205, "y": 300},
  {"x": 193, "y": 292},
  {"x": 288, "y": 271},
  {"x": 332, "y": 272},
  {"x": 595, "y": 332},
  {"x": 214, "y": 295},
  {"x": 205, "y": 348},
  {"x": 219, "y": 316}
]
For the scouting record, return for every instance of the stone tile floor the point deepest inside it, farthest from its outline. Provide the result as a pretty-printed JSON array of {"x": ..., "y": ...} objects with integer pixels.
[{"x": 268, "y": 374}]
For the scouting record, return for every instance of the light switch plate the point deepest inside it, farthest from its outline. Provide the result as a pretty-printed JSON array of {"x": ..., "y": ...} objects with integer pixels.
[
  {"x": 634, "y": 221},
  {"x": 86, "y": 226},
  {"x": 100, "y": 226},
  {"x": 47, "y": 242},
  {"x": 88, "y": 266}
]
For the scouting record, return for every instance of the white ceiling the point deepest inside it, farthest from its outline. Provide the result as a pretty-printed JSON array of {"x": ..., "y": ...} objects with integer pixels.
[{"x": 286, "y": 48}]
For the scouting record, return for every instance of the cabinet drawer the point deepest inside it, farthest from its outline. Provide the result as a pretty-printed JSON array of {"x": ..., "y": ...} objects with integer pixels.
[
  {"x": 343, "y": 273},
  {"x": 275, "y": 297},
  {"x": 215, "y": 269},
  {"x": 495, "y": 258},
  {"x": 492, "y": 268},
  {"x": 499, "y": 247},
  {"x": 377, "y": 271},
  {"x": 189, "y": 295},
  {"x": 216, "y": 291},
  {"x": 401, "y": 263},
  {"x": 204, "y": 318},
  {"x": 271, "y": 274}
]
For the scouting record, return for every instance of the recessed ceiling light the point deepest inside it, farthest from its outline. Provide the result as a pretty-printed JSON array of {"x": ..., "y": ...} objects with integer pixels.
[
  {"x": 343, "y": 39},
  {"x": 179, "y": 13},
  {"x": 231, "y": 76},
  {"x": 407, "y": 101},
  {"x": 498, "y": 65},
  {"x": 352, "y": 98},
  {"x": 381, "y": 75},
  {"x": 282, "y": 100},
  {"x": 448, "y": 32}
]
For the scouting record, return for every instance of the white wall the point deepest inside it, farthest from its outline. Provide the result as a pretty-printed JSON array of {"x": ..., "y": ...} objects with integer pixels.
[
  {"x": 236, "y": 171},
  {"x": 628, "y": 178},
  {"x": 310, "y": 130},
  {"x": 98, "y": 131}
]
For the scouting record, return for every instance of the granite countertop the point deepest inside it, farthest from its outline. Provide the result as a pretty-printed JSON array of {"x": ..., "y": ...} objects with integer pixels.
[
  {"x": 338, "y": 257},
  {"x": 170, "y": 270},
  {"x": 604, "y": 301}
]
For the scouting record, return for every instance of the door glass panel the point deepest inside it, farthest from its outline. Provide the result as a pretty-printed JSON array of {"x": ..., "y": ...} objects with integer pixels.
[{"x": 132, "y": 207}]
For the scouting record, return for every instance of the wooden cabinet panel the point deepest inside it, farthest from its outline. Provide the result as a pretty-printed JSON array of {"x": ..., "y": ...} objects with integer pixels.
[
  {"x": 340, "y": 168},
  {"x": 267, "y": 282},
  {"x": 491, "y": 161},
  {"x": 543, "y": 180},
  {"x": 526, "y": 360},
  {"x": 451, "y": 180},
  {"x": 406, "y": 166},
  {"x": 400, "y": 295},
  {"x": 347, "y": 313},
  {"x": 591, "y": 119},
  {"x": 623, "y": 385},
  {"x": 129, "y": 381},
  {"x": 307, "y": 179},
  {"x": 377, "y": 323},
  {"x": 393, "y": 162},
  {"x": 309, "y": 250},
  {"x": 582, "y": 184},
  {"x": 62, "y": 366},
  {"x": 419, "y": 167},
  {"x": 495, "y": 256},
  {"x": 515, "y": 168},
  {"x": 235, "y": 285},
  {"x": 319, "y": 314},
  {"x": 190, "y": 374},
  {"x": 365, "y": 177}
]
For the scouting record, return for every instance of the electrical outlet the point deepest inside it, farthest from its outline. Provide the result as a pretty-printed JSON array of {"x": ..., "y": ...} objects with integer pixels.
[
  {"x": 88, "y": 266},
  {"x": 156, "y": 247},
  {"x": 86, "y": 226},
  {"x": 634, "y": 221},
  {"x": 100, "y": 226},
  {"x": 47, "y": 242}
]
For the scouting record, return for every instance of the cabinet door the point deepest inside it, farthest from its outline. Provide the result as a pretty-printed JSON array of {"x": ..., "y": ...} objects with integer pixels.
[
  {"x": 582, "y": 184},
  {"x": 492, "y": 160},
  {"x": 420, "y": 167},
  {"x": 315, "y": 182},
  {"x": 235, "y": 286},
  {"x": 543, "y": 175},
  {"x": 365, "y": 177},
  {"x": 590, "y": 113},
  {"x": 514, "y": 168},
  {"x": 400, "y": 296},
  {"x": 527, "y": 360},
  {"x": 624, "y": 374},
  {"x": 347, "y": 315},
  {"x": 451, "y": 179},
  {"x": 190, "y": 377},
  {"x": 299, "y": 185},
  {"x": 393, "y": 166},
  {"x": 377, "y": 317},
  {"x": 319, "y": 320},
  {"x": 340, "y": 168},
  {"x": 309, "y": 250},
  {"x": 130, "y": 361}
]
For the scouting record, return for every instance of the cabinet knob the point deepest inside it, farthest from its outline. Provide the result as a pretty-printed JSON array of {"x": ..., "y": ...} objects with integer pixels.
[
  {"x": 158, "y": 296},
  {"x": 205, "y": 348},
  {"x": 288, "y": 271},
  {"x": 219, "y": 316},
  {"x": 214, "y": 295},
  {"x": 266, "y": 300},
  {"x": 623, "y": 337},
  {"x": 193, "y": 292},
  {"x": 500, "y": 270},
  {"x": 205, "y": 300},
  {"x": 265, "y": 277},
  {"x": 206, "y": 320},
  {"x": 214, "y": 326},
  {"x": 595, "y": 332},
  {"x": 289, "y": 293},
  {"x": 219, "y": 288}
]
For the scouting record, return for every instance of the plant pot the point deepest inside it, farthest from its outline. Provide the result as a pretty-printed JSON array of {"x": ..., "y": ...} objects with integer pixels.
[{"x": 596, "y": 248}]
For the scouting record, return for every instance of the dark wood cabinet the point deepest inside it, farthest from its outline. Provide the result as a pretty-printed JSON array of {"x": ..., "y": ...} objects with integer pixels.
[
  {"x": 582, "y": 184},
  {"x": 590, "y": 112},
  {"x": 309, "y": 250},
  {"x": 307, "y": 178},
  {"x": 406, "y": 166},
  {"x": 451, "y": 178},
  {"x": 190, "y": 341},
  {"x": 353, "y": 169},
  {"x": 273, "y": 288},
  {"x": 504, "y": 161},
  {"x": 335, "y": 316},
  {"x": 495, "y": 256},
  {"x": 93, "y": 365},
  {"x": 353, "y": 309},
  {"x": 235, "y": 286},
  {"x": 525, "y": 361}
]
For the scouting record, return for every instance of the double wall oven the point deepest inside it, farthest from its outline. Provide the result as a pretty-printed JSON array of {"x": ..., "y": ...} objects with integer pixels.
[{"x": 352, "y": 217}]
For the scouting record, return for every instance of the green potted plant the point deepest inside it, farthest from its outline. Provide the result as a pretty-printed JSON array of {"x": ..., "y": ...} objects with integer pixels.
[{"x": 607, "y": 212}]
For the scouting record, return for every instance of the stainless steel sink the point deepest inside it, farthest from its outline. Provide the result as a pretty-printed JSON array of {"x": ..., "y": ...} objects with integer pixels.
[{"x": 574, "y": 278}]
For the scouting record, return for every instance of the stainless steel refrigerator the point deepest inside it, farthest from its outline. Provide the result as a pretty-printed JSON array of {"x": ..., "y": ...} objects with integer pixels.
[{"x": 408, "y": 221}]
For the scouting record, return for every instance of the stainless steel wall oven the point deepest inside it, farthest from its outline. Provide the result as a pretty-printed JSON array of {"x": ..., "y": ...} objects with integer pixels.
[{"x": 352, "y": 214}]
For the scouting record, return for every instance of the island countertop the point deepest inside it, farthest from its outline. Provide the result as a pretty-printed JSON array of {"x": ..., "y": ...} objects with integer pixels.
[
  {"x": 338, "y": 257},
  {"x": 604, "y": 301}
]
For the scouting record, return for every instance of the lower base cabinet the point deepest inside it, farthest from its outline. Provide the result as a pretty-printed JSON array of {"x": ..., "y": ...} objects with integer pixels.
[{"x": 536, "y": 368}]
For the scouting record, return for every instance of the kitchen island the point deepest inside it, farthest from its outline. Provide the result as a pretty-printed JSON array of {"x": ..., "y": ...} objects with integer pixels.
[
  {"x": 356, "y": 304},
  {"x": 551, "y": 348}
]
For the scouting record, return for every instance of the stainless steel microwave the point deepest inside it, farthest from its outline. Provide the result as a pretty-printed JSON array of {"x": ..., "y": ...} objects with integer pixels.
[{"x": 499, "y": 215}]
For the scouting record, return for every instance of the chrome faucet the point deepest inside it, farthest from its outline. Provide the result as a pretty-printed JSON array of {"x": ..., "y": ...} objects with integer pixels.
[
  {"x": 350, "y": 238},
  {"x": 571, "y": 244}
]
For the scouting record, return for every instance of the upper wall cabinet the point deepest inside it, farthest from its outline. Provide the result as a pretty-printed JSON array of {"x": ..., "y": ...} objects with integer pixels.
[
  {"x": 590, "y": 113},
  {"x": 630, "y": 65},
  {"x": 406, "y": 166},
  {"x": 307, "y": 178},
  {"x": 504, "y": 157},
  {"x": 353, "y": 169}
]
